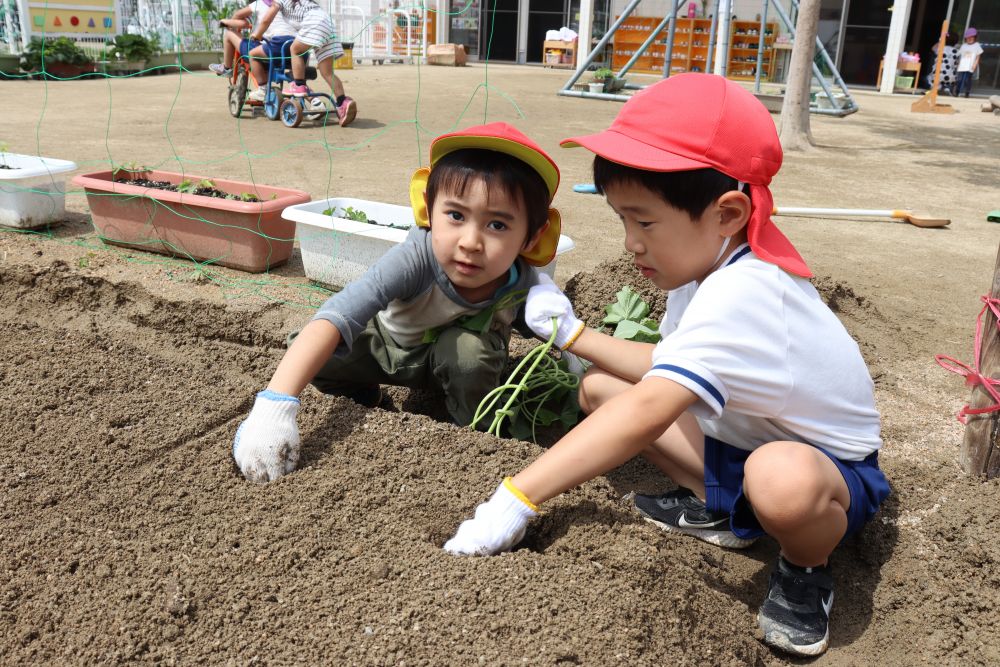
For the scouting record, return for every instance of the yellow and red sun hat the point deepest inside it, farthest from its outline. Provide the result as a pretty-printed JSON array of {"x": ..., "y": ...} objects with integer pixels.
[{"x": 502, "y": 138}]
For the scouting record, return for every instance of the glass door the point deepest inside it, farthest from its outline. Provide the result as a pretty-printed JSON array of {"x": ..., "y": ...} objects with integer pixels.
[
  {"x": 464, "y": 25},
  {"x": 866, "y": 32},
  {"x": 498, "y": 30}
]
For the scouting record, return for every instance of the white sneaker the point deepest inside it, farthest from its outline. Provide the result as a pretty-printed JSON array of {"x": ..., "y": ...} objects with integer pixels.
[
  {"x": 257, "y": 95},
  {"x": 317, "y": 103}
]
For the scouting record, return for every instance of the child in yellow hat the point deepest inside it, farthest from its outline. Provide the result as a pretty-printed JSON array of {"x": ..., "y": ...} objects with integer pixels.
[{"x": 434, "y": 312}]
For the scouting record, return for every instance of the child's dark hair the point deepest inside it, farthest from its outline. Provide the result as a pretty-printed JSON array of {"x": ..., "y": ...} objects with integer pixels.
[
  {"x": 454, "y": 171},
  {"x": 689, "y": 191}
]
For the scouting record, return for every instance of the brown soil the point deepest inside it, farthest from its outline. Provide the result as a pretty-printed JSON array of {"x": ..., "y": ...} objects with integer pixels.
[{"x": 130, "y": 536}]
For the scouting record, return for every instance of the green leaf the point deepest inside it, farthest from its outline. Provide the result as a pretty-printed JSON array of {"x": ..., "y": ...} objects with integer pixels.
[
  {"x": 636, "y": 331},
  {"x": 570, "y": 413},
  {"x": 628, "y": 306},
  {"x": 545, "y": 417}
]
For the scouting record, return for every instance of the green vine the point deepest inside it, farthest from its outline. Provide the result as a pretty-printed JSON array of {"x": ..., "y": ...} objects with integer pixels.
[{"x": 544, "y": 394}]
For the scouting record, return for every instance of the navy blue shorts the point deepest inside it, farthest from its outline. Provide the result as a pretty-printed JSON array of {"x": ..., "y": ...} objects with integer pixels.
[
  {"x": 246, "y": 46},
  {"x": 724, "y": 488},
  {"x": 272, "y": 47}
]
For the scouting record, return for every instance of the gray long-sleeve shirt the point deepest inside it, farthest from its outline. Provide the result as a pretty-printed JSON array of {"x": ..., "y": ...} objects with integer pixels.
[{"x": 410, "y": 294}]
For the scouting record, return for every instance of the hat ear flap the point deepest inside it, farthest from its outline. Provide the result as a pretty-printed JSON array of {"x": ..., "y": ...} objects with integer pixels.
[
  {"x": 544, "y": 250},
  {"x": 418, "y": 201}
]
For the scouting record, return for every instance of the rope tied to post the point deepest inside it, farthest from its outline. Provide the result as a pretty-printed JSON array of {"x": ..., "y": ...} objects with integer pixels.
[{"x": 972, "y": 374}]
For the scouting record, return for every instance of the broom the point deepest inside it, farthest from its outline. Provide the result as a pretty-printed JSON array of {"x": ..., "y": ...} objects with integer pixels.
[{"x": 909, "y": 216}]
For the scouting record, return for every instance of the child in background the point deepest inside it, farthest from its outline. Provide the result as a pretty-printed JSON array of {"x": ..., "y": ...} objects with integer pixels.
[
  {"x": 756, "y": 402},
  {"x": 277, "y": 33},
  {"x": 315, "y": 32},
  {"x": 968, "y": 62},
  {"x": 949, "y": 63},
  {"x": 435, "y": 311}
]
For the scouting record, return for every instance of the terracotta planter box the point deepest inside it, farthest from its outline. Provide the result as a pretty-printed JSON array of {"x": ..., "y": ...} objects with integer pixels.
[
  {"x": 33, "y": 193},
  {"x": 337, "y": 251},
  {"x": 250, "y": 236},
  {"x": 57, "y": 70}
]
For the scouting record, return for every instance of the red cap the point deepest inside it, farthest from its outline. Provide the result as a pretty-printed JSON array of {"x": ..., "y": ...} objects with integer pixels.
[{"x": 696, "y": 121}]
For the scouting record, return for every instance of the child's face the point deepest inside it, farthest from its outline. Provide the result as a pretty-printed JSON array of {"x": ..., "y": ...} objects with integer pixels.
[
  {"x": 670, "y": 248},
  {"x": 477, "y": 236}
]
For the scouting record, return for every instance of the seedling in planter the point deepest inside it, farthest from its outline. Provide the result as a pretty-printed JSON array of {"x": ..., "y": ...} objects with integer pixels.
[
  {"x": 129, "y": 171},
  {"x": 351, "y": 213},
  {"x": 3, "y": 156},
  {"x": 628, "y": 314},
  {"x": 246, "y": 196}
]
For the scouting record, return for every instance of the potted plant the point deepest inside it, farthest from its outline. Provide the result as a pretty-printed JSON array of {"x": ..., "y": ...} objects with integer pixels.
[
  {"x": 341, "y": 237},
  {"x": 232, "y": 223},
  {"x": 32, "y": 189},
  {"x": 10, "y": 63},
  {"x": 609, "y": 82},
  {"x": 58, "y": 58},
  {"x": 131, "y": 53}
]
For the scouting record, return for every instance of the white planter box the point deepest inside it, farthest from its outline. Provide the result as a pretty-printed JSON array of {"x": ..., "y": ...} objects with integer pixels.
[
  {"x": 34, "y": 192},
  {"x": 337, "y": 251}
]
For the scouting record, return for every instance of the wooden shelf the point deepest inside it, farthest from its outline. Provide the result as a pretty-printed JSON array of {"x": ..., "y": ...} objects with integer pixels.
[
  {"x": 559, "y": 54},
  {"x": 743, "y": 46},
  {"x": 691, "y": 38}
]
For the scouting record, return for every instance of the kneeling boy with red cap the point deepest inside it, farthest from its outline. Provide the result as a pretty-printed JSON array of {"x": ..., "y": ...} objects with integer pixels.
[
  {"x": 436, "y": 311},
  {"x": 756, "y": 402}
]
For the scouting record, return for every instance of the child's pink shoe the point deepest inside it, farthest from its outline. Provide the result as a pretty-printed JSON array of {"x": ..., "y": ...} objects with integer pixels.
[
  {"x": 295, "y": 90},
  {"x": 346, "y": 111}
]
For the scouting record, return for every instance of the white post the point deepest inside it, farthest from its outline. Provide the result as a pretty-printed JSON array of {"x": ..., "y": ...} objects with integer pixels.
[
  {"x": 175, "y": 24},
  {"x": 441, "y": 20},
  {"x": 723, "y": 21},
  {"x": 894, "y": 45},
  {"x": 8, "y": 21},
  {"x": 424, "y": 16},
  {"x": 585, "y": 30},
  {"x": 23, "y": 14},
  {"x": 521, "y": 45}
]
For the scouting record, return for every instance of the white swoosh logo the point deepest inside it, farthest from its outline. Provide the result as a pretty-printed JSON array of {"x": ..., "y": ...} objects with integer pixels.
[
  {"x": 827, "y": 604},
  {"x": 682, "y": 522}
]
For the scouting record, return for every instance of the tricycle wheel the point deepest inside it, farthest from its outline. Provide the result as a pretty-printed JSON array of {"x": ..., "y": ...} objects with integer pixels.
[
  {"x": 272, "y": 103},
  {"x": 238, "y": 92},
  {"x": 291, "y": 113}
]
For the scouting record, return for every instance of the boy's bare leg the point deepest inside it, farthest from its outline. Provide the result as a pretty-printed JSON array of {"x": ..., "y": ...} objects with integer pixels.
[
  {"x": 800, "y": 499},
  {"x": 679, "y": 452},
  {"x": 230, "y": 45},
  {"x": 257, "y": 65}
]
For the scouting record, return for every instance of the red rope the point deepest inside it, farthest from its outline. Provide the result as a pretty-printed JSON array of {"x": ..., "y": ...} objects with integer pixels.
[{"x": 971, "y": 373}]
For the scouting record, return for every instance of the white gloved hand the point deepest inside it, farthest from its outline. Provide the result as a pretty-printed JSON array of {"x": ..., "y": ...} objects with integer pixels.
[
  {"x": 498, "y": 525},
  {"x": 546, "y": 301},
  {"x": 267, "y": 442}
]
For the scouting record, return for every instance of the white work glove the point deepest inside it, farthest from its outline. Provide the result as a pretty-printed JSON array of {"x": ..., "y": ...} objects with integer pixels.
[
  {"x": 546, "y": 301},
  {"x": 267, "y": 442},
  {"x": 498, "y": 525}
]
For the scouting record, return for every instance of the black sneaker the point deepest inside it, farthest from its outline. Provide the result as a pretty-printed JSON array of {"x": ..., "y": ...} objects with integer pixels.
[
  {"x": 795, "y": 616},
  {"x": 680, "y": 511}
]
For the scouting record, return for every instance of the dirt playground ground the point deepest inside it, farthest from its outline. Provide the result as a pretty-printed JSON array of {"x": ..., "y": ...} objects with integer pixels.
[{"x": 129, "y": 536}]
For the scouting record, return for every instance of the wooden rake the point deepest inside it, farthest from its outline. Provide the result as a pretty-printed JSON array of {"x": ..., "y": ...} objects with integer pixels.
[{"x": 919, "y": 220}]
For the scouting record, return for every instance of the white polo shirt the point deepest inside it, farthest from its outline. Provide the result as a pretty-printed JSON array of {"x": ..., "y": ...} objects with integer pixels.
[
  {"x": 278, "y": 28},
  {"x": 768, "y": 360}
]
